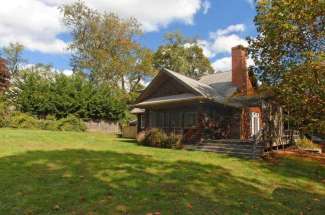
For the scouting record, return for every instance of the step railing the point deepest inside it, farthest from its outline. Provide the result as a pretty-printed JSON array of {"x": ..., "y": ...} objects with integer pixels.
[{"x": 257, "y": 140}]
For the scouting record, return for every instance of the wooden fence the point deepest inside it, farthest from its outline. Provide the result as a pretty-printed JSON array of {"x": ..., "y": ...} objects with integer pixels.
[
  {"x": 103, "y": 126},
  {"x": 129, "y": 131}
]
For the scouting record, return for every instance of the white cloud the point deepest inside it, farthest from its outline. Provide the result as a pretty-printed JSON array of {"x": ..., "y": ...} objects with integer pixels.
[
  {"x": 205, "y": 45},
  {"x": 251, "y": 2},
  {"x": 37, "y": 23},
  {"x": 67, "y": 72},
  {"x": 222, "y": 40},
  {"x": 33, "y": 24},
  {"x": 206, "y": 6},
  {"x": 228, "y": 30},
  {"x": 222, "y": 65},
  {"x": 224, "y": 44}
]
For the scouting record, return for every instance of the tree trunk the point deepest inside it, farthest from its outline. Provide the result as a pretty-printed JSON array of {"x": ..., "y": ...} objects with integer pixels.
[{"x": 273, "y": 128}]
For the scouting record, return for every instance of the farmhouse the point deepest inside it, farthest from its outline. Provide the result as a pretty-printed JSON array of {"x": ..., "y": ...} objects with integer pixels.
[{"x": 214, "y": 107}]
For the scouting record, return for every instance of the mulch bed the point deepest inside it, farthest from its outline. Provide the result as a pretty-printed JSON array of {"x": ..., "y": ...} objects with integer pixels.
[{"x": 299, "y": 153}]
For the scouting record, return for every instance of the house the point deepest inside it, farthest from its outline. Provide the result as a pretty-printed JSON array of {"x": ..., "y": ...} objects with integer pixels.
[{"x": 214, "y": 107}]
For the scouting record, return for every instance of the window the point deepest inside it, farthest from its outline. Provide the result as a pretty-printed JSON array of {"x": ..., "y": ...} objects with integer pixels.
[
  {"x": 142, "y": 121},
  {"x": 255, "y": 123}
]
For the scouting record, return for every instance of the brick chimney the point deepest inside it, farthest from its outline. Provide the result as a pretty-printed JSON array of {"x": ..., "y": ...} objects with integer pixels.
[{"x": 240, "y": 76}]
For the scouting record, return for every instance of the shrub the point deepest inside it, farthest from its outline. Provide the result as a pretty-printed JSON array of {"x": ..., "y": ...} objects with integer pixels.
[
  {"x": 158, "y": 138},
  {"x": 141, "y": 137},
  {"x": 23, "y": 120},
  {"x": 4, "y": 114},
  {"x": 51, "y": 125},
  {"x": 155, "y": 138},
  {"x": 307, "y": 144},
  {"x": 71, "y": 123},
  {"x": 175, "y": 141}
]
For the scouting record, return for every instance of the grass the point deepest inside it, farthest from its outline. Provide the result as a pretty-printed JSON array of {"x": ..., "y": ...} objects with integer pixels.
[{"x": 43, "y": 172}]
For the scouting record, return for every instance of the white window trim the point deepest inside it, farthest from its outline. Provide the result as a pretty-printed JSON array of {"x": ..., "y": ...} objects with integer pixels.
[{"x": 253, "y": 116}]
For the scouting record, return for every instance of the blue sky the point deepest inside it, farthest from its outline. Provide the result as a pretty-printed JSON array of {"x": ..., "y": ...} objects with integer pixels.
[{"x": 219, "y": 25}]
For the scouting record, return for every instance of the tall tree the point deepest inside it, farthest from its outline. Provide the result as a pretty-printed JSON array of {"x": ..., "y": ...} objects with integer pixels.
[
  {"x": 182, "y": 55},
  {"x": 13, "y": 55},
  {"x": 289, "y": 58},
  {"x": 4, "y": 76},
  {"x": 104, "y": 45}
]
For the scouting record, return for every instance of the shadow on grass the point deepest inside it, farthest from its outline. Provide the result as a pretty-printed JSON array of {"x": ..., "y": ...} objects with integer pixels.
[
  {"x": 81, "y": 181},
  {"x": 125, "y": 140},
  {"x": 297, "y": 168}
]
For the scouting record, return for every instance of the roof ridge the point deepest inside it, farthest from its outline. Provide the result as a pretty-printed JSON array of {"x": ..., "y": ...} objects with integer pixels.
[{"x": 175, "y": 74}]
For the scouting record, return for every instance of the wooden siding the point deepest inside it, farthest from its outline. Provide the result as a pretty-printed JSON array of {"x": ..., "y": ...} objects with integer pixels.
[
  {"x": 164, "y": 85},
  {"x": 168, "y": 87}
]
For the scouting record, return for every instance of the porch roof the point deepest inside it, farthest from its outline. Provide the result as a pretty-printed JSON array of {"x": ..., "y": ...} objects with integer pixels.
[
  {"x": 137, "y": 110},
  {"x": 169, "y": 99}
]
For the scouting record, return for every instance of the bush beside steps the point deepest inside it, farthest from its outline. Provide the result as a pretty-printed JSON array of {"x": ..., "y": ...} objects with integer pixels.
[
  {"x": 308, "y": 145},
  {"x": 158, "y": 138}
]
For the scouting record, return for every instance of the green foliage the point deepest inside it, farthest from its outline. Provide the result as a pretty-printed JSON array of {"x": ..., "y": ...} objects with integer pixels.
[
  {"x": 182, "y": 55},
  {"x": 104, "y": 45},
  {"x": 158, "y": 138},
  {"x": 4, "y": 113},
  {"x": 46, "y": 124},
  {"x": 13, "y": 56},
  {"x": 23, "y": 120},
  {"x": 71, "y": 123},
  {"x": 42, "y": 92},
  {"x": 289, "y": 58}
]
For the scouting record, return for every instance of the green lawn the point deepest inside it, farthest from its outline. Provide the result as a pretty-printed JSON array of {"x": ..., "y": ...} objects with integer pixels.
[{"x": 43, "y": 172}]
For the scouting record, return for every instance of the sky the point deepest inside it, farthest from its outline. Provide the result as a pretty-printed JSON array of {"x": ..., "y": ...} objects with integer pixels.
[{"x": 218, "y": 25}]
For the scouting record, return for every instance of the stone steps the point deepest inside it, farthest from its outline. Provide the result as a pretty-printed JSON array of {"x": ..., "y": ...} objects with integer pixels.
[{"x": 234, "y": 148}]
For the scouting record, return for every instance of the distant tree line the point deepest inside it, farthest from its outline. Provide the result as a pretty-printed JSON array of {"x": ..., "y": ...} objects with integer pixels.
[{"x": 42, "y": 92}]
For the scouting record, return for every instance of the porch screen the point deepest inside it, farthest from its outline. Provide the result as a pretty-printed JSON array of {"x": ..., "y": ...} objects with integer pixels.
[
  {"x": 152, "y": 119},
  {"x": 176, "y": 119},
  {"x": 189, "y": 119}
]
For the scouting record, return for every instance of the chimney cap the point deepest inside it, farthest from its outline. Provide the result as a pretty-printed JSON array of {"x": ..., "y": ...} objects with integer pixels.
[{"x": 239, "y": 47}]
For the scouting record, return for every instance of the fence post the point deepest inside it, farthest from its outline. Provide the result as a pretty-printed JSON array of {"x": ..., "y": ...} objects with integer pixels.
[{"x": 254, "y": 148}]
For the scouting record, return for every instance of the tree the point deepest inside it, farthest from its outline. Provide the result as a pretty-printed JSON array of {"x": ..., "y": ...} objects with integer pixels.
[
  {"x": 182, "y": 55},
  {"x": 42, "y": 92},
  {"x": 289, "y": 58},
  {"x": 104, "y": 45},
  {"x": 4, "y": 76},
  {"x": 13, "y": 55}
]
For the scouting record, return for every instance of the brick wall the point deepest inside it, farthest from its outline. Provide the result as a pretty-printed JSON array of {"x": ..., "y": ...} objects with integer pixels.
[{"x": 240, "y": 78}]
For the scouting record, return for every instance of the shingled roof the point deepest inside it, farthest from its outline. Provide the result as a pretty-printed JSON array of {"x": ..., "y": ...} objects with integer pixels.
[
  {"x": 220, "y": 82},
  {"x": 215, "y": 87}
]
